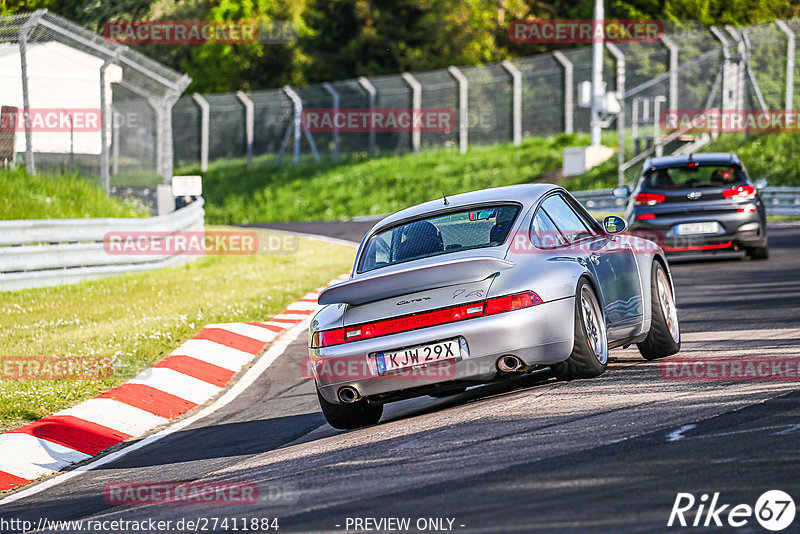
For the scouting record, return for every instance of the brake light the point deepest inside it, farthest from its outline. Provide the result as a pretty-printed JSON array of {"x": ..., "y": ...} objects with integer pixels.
[
  {"x": 742, "y": 192},
  {"x": 648, "y": 199},
  {"x": 646, "y": 217},
  {"x": 748, "y": 209},
  {"x": 421, "y": 320},
  {"x": 512, "y": 302}
]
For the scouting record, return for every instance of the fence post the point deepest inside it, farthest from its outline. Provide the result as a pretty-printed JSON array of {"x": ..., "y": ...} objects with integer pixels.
[
  {"x": 249, "y": 120},
  {"x": 33, "y": 20},
  {"x": 673, "y": 70},
  {"x": 658, "y": 142},
  {"x": 416, "y": 105},
  {"x": 729, "y": 92},
  {"x": 297, "y": 102},
  {"x": 568, "y": 89},
  {"x": 516, "y": 102},
  {"x": 790, "y": 44},
  {"x": 463, "y": 108},
  {"x": 105, "y": 178},
  {"x": 370, "y": 89},
  {"x": 205, "y": 121},
  {"x": 620, "y": 58},
  {"x": 335, "y": 94},
  {"x": 114, "y": 142}
]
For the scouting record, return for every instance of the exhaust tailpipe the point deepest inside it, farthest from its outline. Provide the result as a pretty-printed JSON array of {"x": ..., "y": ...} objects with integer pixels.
[
  {"x": 509, "y": 364},
  {"x": 348, "y": 394}
]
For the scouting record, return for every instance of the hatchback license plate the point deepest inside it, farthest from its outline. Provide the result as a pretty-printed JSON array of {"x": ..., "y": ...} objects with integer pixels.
[
  {"x": 697, "y": 228},
  {"x": 418, "y": 356}
]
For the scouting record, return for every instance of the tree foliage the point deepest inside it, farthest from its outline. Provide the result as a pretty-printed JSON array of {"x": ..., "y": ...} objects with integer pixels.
[{"x": 346, "y": 38}]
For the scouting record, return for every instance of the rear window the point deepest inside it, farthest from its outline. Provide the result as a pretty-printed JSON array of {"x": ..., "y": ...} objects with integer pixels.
[
  {"x": 694, "y": 177},
  {"x": 477, "y": 227}
]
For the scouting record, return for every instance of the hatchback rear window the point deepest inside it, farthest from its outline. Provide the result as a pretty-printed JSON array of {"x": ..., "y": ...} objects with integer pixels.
[
  {"x": 694, "y": 177},
  {"x": 472, "y": 228}
]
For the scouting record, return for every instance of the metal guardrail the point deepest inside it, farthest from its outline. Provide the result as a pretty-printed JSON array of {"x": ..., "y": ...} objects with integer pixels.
[
  {"x": 39, "y": 253},
  {"x": 778, "y": 200}
]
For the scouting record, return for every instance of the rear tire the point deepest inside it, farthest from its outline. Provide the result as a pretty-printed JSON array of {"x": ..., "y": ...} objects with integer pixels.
[
  {"x": 758, "y": 253},
  {"x": 348, "y": 416},
  {"x": 589, "y": 356},
  {"x": 664, "y": 338}
]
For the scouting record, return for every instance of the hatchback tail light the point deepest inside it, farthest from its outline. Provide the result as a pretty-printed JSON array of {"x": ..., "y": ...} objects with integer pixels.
[
  {"x": 742, "y": 192},
  {"x": 648, "y": 199},
  {"x": 645, "y": 216},
  {"x": 452, "y": 314}
]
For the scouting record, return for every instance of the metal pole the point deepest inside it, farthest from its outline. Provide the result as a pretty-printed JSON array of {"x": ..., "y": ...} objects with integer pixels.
[
  {"x": 620, "y": 57},
  {"x": 727, "y": 90},
  {"x": 745, "y": 46},
  {"x": 416, "y": 105},
  {"x": 298, "y": 112},
  {"x": 249, "y": 121},
  {"x": 335, "y": 94},
  {"x": 205, "y": 121},
  {"x": 569, "y": 90},
  {"x": 790, "y": 45},
  {"x": 635, "y": 123},
  {"x": 516, "y": 103},
  {"x": 114, "y": 142},
  {"x": 673, "y": 71},
  {"x": 105, "y": 178},
  {"x": 463, "y": 108},
  {"x": 657, "y": 140},
  {"x": 24, "y": 32},
  {"x": 370, "y": 89},
  {"x": 597, "y": 73}
]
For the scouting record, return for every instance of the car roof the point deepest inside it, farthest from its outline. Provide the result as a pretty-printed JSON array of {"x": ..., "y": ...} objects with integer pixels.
[
  {"x": 703, "y": 158},
  {"x": 526, "y": 194}
]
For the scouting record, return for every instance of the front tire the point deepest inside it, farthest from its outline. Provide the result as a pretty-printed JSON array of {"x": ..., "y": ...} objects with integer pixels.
[
  {"x": 348, "y": 416},
  {"x": 664, "y": 338},
  {"x": 589, "y": 356}
]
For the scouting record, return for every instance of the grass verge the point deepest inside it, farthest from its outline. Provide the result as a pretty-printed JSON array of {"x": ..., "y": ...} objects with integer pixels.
[
  {"x": 239, "y": 195},
  {"x": 138, "y": 319},
  {"x": 57, "y": 196}
]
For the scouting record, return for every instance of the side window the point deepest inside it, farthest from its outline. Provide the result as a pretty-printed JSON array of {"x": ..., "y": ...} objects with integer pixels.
[
  {"x": 544, "y": 233},
  {"x": 565, "y": 218}
]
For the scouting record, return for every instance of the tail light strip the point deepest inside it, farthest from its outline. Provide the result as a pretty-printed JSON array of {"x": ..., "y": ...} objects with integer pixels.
[{"x": 415, "y": 321}]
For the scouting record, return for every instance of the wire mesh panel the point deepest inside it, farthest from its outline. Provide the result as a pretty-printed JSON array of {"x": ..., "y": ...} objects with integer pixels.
[
  {"x": 440, "y": 91},
  {"x": 352, "y": 96},
  {"x": 543, "y": 93},
  {"x": 186, "y": 132},
  {"x": 767, "y": 46},
  {"x": 273, "y": 115},
  {"x": 133, "y": 140},
  {"x": 393, "y": 92},
  {"x": 227, "y": 124},
  {"x": 315, "y": 97},
  {"x": 490, "y": 103}
]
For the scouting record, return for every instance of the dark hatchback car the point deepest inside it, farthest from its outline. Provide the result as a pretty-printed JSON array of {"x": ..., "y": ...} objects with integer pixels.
[{"x": 699, "y": 203}]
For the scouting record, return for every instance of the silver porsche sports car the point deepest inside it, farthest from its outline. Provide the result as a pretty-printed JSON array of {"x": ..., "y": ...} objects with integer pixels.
[{"x": 480, "y": 287}]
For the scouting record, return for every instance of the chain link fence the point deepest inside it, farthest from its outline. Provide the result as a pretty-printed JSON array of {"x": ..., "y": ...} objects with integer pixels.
[
  {"x": 698, "y": 68},
  {"x": 74, "y": 102}
]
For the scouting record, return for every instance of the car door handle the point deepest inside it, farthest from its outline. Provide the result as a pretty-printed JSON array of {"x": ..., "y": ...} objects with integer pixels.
[{"x": 594, "y": 258}]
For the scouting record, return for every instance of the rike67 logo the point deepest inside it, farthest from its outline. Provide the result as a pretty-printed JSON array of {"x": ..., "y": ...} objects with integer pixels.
[{"x": 774, "y": 510}]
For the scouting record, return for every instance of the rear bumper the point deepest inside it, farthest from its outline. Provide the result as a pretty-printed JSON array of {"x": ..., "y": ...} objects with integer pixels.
[
  {"x": 539, "y": 335},
  {"x": 736, "y": 230}
]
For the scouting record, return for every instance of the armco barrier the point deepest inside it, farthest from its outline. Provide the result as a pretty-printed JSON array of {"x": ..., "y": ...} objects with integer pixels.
[{"x": 38, "y": 253}]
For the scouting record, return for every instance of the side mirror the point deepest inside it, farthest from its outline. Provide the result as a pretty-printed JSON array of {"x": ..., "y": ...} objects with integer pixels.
[
  {"x": 760, "y": 183},
  {"x": 613, "y": 224},
  {"x": 621, "y": 192}
]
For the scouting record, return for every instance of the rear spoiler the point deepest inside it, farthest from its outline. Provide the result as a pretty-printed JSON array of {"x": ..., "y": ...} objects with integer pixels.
[{"x": 384, "y": 286}]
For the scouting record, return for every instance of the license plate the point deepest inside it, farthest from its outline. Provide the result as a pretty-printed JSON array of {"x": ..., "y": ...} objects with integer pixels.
[
  {"x": 697, "y": 228},
  {"x": 418, "y": 356}
]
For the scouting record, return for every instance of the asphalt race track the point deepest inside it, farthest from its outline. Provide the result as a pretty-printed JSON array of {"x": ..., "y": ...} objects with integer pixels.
[{"x": 603, "y": 455}]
